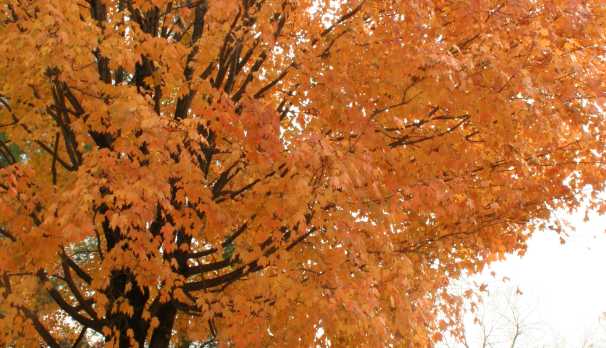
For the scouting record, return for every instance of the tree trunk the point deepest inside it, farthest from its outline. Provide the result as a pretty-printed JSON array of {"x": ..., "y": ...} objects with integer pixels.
[{"x": 162, "y": 334}]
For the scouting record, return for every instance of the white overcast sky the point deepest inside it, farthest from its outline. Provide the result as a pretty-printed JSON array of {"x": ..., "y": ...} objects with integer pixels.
[{"x": 563, "y": 290}]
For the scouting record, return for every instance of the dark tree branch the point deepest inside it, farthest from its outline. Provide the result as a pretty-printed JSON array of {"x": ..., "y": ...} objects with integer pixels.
[
  {"x": 339, "y": 21},
  {"x": 249, "y": 78},
  {"x": 229, "y": 240},
  {"x": 184, "y": 103},
  {"x": 271, "y": 84},
  {"x": 222, "y": 279},
  {"x": 7, "y": 234},
  {"x": 200, "y": 13},
  {"x": 80, "y": 337},
  {"x": 233, "y": 68},
  {"x": 79, "y": 271},
  {"x": 246, "y": 57},
  {"x": 208, "y": 267},
  {"x": 98, "y": 10},
  {"x": 6, "y": 153},
  {"x": 421, "y": 244},
  {"x": 252, "y": 267},
  {"x": 67, "y": 166},
  {"x": 98, "y": 237},
  {"x": 326, "y": 52},
  {"x": 224, "y": 178},
  {"x": 69, "y": 309},
  {"x": 236, "y": 193},
  {"x": 202, "y": 253},
  {"x": 237, "y": 233},
  {"x": 40, "y": 328},
  {"x": 301, "y": 238},
  {"x": 84, "y": 303},
  {"x": 409, "y": 140},
  {"x": 224, "y": 65},
  {"x": 54, "y": 162},
  {"x": 60, "y": 114}
]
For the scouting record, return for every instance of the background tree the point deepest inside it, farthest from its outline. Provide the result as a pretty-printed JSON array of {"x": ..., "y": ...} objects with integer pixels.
[
  {"x": 499, "y": 318},
  {"x": 257, "y": 171}
]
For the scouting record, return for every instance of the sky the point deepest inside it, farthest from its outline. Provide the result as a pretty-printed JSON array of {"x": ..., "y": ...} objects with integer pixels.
[{"x": 563, "y": 291}]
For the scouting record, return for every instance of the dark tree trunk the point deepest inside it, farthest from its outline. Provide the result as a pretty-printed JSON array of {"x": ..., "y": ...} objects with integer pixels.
[
  {"x": 162, "y": 334},
  {"x": 133, "y": 322}
]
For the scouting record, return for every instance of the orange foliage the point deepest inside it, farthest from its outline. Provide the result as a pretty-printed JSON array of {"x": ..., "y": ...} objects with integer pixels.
[{"x": 254, "y": 171}]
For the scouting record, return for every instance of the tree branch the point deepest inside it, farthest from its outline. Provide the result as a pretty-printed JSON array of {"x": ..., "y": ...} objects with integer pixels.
[
  {"x": 85, "y": 304},
  {"x": 80, "y": 337},
  {"x": 69, "y": 309},
  {"x": 42, "y": 331},
  {"x": 270, "y": 85},
  {"x": 7, "y": 234},
  {"x": 79, "y": 271}
]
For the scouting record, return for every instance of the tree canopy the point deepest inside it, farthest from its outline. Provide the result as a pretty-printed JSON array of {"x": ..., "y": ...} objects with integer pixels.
[{"x": 281, "y": 172}]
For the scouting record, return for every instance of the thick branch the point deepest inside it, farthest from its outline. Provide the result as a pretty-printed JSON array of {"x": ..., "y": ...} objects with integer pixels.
[
  {"x": 84, "y": 303},
  {"x": 69, "y": 309},
  {"x": 244, "y": 270},
  {"x": 79, "y": 271},
  {"x": 40, "y": 328},
  {"x": 249, "y": 78},
  {"x": 208, "y": 267}
]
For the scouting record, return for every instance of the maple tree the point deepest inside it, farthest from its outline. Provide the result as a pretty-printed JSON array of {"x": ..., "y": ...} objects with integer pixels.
[{"x": 281, "y": 173}]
